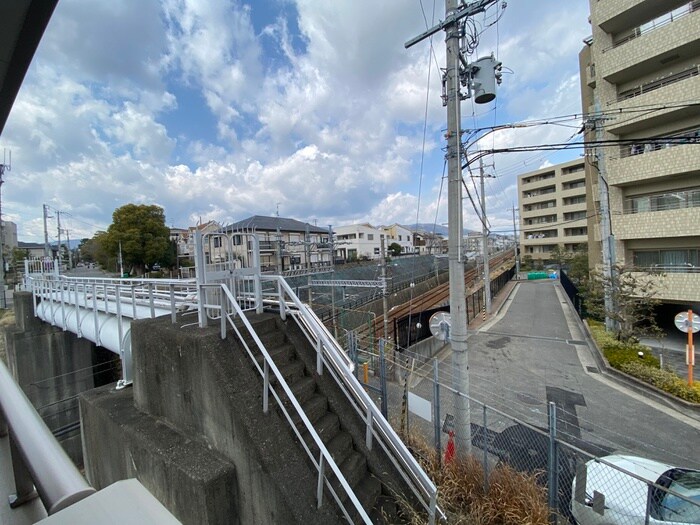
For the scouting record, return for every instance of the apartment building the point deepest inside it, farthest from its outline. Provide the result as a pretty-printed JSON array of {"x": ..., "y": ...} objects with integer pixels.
[
  {"x": 640, "y": 83},
  {"x": 552, "y": 203},
  {"x": 359, "y": 241},
  {"x": 399, "y": 235},
  {"x": 285, "y": 243}
]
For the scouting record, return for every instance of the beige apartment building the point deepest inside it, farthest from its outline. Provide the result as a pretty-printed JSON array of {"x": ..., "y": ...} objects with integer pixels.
[
  {"x": 552, "y": 203},
  {"x": 640, "y": 85}
]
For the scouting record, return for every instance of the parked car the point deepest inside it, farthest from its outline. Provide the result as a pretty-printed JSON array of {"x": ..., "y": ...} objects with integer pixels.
[{"x": 614, "y": 497}]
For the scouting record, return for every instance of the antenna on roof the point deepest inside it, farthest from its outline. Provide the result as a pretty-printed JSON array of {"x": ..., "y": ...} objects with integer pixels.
[{"x": 278, "y": 209}]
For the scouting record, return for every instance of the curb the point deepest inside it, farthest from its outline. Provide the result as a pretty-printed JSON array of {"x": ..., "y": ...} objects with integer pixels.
[{"x": 686, "y": 408}]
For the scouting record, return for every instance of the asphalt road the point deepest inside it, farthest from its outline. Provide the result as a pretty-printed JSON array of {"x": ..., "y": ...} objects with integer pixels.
[{"x": 533, "y": 352}]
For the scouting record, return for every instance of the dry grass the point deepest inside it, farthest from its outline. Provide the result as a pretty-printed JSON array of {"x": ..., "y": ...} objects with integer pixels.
[{"x": 512, "y": 498}]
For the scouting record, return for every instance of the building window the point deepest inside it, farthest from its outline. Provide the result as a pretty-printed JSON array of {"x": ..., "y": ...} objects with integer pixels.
[
  {"x": 361, "y": 235},
  {"x": 573, "y": 185},
  {"x": 568, "y": 232},
  {"x": 370, "y": 236},
  {"x": 674, "y": 200},
  {"x": 376, "y": 251},
  {"x": 579, "y": 199},
  {"x": 673, "y": 260},
  {"x": 574, "y": 215},
  {"x": 541, "y": 220}
]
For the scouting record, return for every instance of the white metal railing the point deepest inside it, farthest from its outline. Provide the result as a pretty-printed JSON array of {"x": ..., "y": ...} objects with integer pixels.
[
  {"x": 229, "y": 308},
  {"x": 331, "y": 355},
  {"x": 101, "y": 309},
  {"x": 38, "y": 460},
  {"x": 227, "y": 290}
]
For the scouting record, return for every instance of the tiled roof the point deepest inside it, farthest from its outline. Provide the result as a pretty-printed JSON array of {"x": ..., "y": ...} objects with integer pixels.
[{"x": 270, "y": 224}]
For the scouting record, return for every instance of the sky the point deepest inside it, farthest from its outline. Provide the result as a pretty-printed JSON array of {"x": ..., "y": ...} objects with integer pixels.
[{"x": 310, "y": 109}]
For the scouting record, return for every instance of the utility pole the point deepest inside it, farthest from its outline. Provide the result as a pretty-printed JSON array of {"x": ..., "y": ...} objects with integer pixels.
[
  {"x": 3, "y": 168},
  {"x": 606, "y": 238},
  {"x": 47, "y": 249},
  {"x": 385, "y": 299},
  {"x": 70, "y": 252},
  {"x": 485, "y": 241},
  {"x": 479, "y": 78},
  {"x": 331, "y": 247},
  {"x": 517, "y": 244},
  {"x": 58, "y": 221}
]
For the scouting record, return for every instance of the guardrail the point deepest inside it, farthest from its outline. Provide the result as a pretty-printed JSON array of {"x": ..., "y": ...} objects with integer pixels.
[
  {"x": 229, "y": 308},
  {"x": 37, "y": 458},
  {"x": 101, "y": 309},
  {"x": 331, "y": 355}
]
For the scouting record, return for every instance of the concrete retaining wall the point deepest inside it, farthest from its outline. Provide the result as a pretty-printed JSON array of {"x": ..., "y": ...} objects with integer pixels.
[
  {"x": 206, "y": 392},
  {"x": 52, "y": 367}
]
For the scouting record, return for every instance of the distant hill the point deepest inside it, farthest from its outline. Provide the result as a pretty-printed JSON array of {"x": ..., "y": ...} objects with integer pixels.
[{"x": 430, "y": 227}]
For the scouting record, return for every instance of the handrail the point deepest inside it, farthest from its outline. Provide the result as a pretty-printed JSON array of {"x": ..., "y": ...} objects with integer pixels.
[
  {"x": 57, "y": 480},
  {"x": 331, "y": 352},
  {"x": 269, "y": 365}
]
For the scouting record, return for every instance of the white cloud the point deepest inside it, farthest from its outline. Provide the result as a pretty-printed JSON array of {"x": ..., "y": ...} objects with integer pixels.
[{"x": 220, "y": 110}]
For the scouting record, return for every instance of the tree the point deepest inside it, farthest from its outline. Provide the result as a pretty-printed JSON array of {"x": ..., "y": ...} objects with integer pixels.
[
  {"x": 142, "y": 234},
  {"x": 578, "y": 265},
  {"x": 559, "y": 256},
  {"x": 394, "y": 249},
  {"x": 634, "y": 298}
]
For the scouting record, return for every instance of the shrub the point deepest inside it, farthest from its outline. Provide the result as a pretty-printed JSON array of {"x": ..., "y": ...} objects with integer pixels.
[
  {"x": 665, "y": 380},
  {"x": 624, "y": 357},
  {"x": 618, "y": 352}
]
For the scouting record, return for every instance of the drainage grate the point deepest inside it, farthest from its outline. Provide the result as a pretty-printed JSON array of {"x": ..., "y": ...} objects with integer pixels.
[{"x": 593, "y": 369}]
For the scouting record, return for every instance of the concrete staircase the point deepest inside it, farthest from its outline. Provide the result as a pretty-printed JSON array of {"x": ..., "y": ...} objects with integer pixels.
[{"x": 349, "y": 455}]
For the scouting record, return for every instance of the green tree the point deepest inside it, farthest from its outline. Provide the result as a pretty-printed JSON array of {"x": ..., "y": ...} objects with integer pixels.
[
  {"x": 141, "y": 231},
  {"x": 633, "y": 297},
  {"x": 559, "y": 256},
  {"x": 394, "y": 249},
  {"x": 578, "y": 265}
]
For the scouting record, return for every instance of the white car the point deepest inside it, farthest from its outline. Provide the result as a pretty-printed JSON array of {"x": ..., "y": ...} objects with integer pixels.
[{"x": 614, "y": 497}]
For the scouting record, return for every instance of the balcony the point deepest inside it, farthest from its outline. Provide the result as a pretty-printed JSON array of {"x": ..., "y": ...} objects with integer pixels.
[
  {"x": 654, "y": 165},
  {"x": 675, "y": 96},
  {"x": 663, "y": 224},
  {"x": 675, "y": 41},
  {"x": 615, "y": 16}
]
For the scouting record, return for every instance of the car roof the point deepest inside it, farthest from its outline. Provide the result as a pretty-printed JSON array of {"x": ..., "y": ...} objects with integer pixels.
[{"x": 647, "y": 469}]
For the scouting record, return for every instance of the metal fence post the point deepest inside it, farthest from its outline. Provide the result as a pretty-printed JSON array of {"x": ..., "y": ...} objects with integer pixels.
[
  {"x": 436, "y": 409},
  {"x": 485, "y": 448},
  {"x": 553, "y": 463},
  {"x": 382, "y": 380}
]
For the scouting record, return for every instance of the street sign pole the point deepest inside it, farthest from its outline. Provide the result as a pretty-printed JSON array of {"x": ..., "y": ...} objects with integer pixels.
[
  {"x": 688, "y": 323},
  {"x": 690, "y": 351}
]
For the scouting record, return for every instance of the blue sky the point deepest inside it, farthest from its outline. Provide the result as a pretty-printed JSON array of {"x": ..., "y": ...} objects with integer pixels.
[{"x": 217, "y": 110}]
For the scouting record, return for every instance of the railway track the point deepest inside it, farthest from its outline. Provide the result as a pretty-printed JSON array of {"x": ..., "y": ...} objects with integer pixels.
[{"x": 438, "y": 296}]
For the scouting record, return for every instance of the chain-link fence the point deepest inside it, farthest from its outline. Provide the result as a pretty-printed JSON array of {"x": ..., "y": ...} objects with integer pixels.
[{"x": 584, "y": 482}]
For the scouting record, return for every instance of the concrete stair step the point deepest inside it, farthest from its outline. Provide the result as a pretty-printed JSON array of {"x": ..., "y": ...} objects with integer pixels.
[
  {"x": 279, "y": 354},
  {"x": 368, "y": 490},
  {"x": 292, "y": 371},
  {"x": 340, "y": 447},
  {"x": 303, "y": 389},
  {"x": 327, "y": 427},
  {"x": 268, "y": 333},
  {"x": 387, "y": 511},
  {"x": 354, "y": 468},
  {"x": 315, "y": 408}
]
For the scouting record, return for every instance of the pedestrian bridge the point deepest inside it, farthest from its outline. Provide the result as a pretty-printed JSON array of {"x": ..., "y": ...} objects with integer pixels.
[{"x": 223, "y": 294}]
